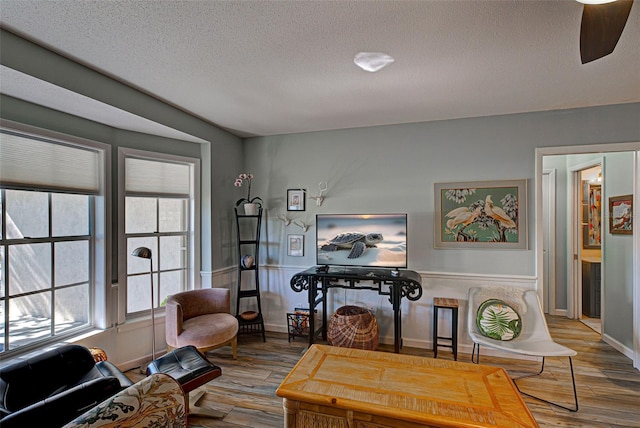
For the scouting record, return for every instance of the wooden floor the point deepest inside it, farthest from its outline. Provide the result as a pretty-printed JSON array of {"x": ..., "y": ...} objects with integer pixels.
[{"x": 608, "y": 385}]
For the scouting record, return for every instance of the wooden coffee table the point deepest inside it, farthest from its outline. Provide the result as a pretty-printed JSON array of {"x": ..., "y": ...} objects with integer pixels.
[{"x": 343, "y": 387}]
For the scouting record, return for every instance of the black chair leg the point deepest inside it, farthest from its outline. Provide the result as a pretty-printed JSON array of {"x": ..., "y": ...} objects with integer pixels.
[
  {"x": 473, "y": 353},
  {"x": 573, "y": 381}
]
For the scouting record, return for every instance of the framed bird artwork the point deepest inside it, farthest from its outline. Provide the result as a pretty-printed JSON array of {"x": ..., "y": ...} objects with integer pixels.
[{"x": 481, "y": 214}]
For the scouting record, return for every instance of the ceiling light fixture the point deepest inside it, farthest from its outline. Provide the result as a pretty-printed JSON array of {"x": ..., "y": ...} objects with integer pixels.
[
  {"x": 595, "y": 1},
  {"x": 372, "y": 61}
]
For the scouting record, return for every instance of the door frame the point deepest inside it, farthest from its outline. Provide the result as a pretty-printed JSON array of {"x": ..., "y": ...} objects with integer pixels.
[
  {"x": 580, "y": 149},
  {"x": 549, "y": 294},
  {"x": 574, "y": 252}
]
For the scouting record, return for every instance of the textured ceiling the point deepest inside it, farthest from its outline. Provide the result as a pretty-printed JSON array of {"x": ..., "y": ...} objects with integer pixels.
[{"x": 277, "y": 67}]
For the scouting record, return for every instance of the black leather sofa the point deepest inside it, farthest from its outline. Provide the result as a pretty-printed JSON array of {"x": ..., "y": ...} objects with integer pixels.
[{"x": 55, "y": 387}]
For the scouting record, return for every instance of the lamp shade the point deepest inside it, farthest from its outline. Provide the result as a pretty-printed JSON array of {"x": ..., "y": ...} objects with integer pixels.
[{"x": 142, "y": 252}]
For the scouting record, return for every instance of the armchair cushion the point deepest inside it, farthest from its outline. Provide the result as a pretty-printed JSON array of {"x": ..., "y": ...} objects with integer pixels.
[
  {"x": 155, "y": 401},
  {"x": 60, "y": 408},
  {"x": 496, "y": 319}
]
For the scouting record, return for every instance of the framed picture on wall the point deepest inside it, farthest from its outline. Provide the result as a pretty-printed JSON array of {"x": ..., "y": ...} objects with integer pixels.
[
  {"x": 591, "y": 223},
  {"x": 621, "y": 215},
  {"x": 296, "y": 199},
  {"x": 295, "y": 245},
  {"x": 481, "y": 214}
]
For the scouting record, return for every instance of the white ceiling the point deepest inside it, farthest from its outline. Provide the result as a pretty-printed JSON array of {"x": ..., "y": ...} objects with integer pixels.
[{"x": 278, "y": 67}]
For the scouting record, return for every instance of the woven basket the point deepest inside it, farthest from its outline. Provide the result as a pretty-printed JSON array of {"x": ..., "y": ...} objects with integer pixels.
[{"x": 353, "y": 327}]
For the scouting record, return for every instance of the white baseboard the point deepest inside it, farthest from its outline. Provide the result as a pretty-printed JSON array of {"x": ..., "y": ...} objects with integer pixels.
[{"x": 627, "y": 352}]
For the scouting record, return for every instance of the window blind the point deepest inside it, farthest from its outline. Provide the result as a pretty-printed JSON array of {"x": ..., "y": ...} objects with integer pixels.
[
  {"x": 29, "y": 162},
  {"x": 146, "y": 176}
]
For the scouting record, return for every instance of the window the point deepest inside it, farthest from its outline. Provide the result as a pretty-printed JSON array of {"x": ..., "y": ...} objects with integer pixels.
[
  {"x": 48, "y": 229},
  {"x": 160, "y": 225},
  {"x": 159, "y": 196}
]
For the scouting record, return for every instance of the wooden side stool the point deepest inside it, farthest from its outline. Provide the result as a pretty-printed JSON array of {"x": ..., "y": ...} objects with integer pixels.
[{"x": 445, "y": 303}]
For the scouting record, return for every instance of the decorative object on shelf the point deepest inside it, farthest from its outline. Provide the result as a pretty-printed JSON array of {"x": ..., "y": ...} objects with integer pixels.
[
  {"x": 353, "y": 327},
  {"x": 296, "y": 199},
  {"x": 295, "y": 245},
  {"x": 320, "y": 197},
  {"x": 247, "y": 261},
  {"x": 145, "y": 253},
  {"x": 621, "y": 215},
  {"x": 251, "y": 206},
  {"x": 249, "y": 315},
  {"x": 481, "y": 214}
]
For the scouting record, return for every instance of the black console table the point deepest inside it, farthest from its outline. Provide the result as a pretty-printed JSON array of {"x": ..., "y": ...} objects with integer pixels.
[{"x": 317, "y": 281}]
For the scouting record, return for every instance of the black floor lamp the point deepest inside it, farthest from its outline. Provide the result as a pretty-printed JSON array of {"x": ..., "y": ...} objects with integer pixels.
[{"x": 145, "y": 253}]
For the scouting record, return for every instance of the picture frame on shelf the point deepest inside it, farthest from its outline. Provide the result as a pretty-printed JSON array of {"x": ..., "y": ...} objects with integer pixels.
[
  {"x": 481, "y": 214},
  {"x": 296, "y": 199},
  {"x": 295, "y": 245},
  {"x": 621, "y": 215}
]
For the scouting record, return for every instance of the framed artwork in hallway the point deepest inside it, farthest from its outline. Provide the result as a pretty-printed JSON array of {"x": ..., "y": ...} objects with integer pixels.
[{"x": 621, "y": 215}]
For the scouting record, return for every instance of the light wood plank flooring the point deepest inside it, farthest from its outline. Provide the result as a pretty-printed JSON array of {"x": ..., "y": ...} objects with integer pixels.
[{"x": 608, "y": 385}]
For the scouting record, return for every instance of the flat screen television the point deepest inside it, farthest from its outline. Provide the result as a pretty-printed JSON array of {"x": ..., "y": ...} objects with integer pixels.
[{"x": 376, "y": 240}]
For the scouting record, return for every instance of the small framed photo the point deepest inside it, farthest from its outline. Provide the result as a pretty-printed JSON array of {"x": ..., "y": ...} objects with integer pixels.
[
  {"x": 296, "y": 199},
  {"x": 621, "y": 215},
  {"x": 295, "y": 245}
]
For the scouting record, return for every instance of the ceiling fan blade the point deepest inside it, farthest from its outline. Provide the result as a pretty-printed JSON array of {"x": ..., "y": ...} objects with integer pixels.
[{"x": 601, "y": 28}]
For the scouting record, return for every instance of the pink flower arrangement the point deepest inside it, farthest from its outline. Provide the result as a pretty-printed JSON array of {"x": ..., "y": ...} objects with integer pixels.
[{"x": 239, "y": 182}]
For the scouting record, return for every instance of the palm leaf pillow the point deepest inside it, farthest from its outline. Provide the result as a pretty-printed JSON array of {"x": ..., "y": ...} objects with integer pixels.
[{"x": 497, "y": 320}]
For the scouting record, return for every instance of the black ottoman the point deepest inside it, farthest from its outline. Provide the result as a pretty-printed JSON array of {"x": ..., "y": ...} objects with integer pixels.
[{"x": 191, "y": 369}]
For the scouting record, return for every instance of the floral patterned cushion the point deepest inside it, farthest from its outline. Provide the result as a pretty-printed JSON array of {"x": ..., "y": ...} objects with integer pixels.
[
  {"x": 155, "y": 401},
  {"x": 498, "y": 320}
]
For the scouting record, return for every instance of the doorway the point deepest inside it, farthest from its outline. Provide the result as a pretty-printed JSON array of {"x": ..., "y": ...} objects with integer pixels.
[
  {"x": 588, "y": 230},
  {"x": 622, "y": 274}
]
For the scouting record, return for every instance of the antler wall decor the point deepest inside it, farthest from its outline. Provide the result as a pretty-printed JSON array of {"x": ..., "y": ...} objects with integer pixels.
[
  {"x": 320, "y": 197},
  {"x": 302, "y": 225},
  {"x": 285, "y": 219}
]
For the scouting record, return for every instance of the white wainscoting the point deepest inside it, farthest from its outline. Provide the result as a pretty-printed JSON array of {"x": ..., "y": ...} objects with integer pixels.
[{"x": 278, "y": 298}]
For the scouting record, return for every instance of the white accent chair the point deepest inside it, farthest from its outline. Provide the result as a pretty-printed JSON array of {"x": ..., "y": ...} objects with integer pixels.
[{"x": 534, "y": 339}]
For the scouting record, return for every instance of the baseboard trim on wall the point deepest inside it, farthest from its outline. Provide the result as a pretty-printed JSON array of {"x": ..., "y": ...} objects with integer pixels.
[{"x": 627, "y": 352}]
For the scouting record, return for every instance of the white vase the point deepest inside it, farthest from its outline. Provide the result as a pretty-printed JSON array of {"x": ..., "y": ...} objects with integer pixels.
[
  {"x": 251, "y": 209},
  {"x": 247, "y": 261}
]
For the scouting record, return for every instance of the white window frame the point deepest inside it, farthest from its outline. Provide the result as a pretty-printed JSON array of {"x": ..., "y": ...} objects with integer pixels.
[
  {"x": 193, "y": 262},
  {"x": 100, "y": 242}
]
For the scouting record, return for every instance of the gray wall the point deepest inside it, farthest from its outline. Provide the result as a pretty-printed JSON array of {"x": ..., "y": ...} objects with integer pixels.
[
  {"x": 393, "y": 169},
  {"x": 618, "y": 254}
]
